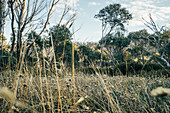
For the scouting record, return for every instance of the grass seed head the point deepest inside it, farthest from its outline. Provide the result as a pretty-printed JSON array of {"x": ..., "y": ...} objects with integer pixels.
[
  {"x": 7, "y": 94},
  {"x": 160, "y": 92},
  {"x": 80, "y": 100}
]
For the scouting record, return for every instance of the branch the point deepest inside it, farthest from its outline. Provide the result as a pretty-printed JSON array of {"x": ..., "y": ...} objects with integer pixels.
[{"x": 48, "y": 16}]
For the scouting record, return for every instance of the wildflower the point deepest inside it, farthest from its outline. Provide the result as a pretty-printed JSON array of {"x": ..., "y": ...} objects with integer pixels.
[
  {"x": 136, "y": 59},
  {"x": 157, "y": 54}
]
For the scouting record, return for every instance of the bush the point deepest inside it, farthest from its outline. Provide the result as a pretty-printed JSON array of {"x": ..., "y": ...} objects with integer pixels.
[
  {"x": 6, "y": 61},
  {"x": 90, "y": 70},
  {"x": 152, "y": 66},
  {"x": 132, "y": 68}
]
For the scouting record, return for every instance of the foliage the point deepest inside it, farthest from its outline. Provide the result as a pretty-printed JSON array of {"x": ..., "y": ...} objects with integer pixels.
[
  {"x": 115, "y": 45},
  {"x": 86, "y": 54},
  {"x": 166, "y": 50},
  {"x": 156, "y": 59},
  {"x": 2, "y": 38},
  {"x": 134, "y": 67},
  {"x": 25, "y": 13},
  {"x": 60, "y": 36},
  {"x": 34, "y": 37},
  {"x": 89, "y": 56},
  {"x": 68, "y": 55},
  {"x": 114, "y": 15},
  {"x": 131, "y": 67},
  {"x": 141, "y": 47},
  {"x": 103, "y": 89},
  {"x": 7, "y": 61},
  {"x": 138, "y": 36},
  {"x": 166, "y": 43}
]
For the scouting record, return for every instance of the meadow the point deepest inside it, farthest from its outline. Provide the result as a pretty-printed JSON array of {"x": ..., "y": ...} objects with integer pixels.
[{"x": 39, "y": 90}]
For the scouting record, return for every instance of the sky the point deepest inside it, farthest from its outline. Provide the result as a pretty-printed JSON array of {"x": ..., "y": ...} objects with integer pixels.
[{"x": 90, "y": 28}]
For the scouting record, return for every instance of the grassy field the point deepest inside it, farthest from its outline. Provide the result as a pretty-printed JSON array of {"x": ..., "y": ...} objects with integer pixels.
[{"x": 39, "y": 90}]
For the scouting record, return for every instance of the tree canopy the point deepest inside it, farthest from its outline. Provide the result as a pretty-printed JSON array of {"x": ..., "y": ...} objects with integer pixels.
[{"x": 114, "y": 15}]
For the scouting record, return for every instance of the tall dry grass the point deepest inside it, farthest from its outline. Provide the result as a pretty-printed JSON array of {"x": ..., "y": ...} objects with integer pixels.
[{"x": 81, "y": 93}]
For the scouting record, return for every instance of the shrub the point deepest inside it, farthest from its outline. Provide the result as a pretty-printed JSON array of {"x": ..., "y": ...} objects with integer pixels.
[
  {"x": 6, "y": 61},
  {"x": 90, "y": 70},
  {"x": 152, "y": 66},
  {"x": 131, "y": 67}
]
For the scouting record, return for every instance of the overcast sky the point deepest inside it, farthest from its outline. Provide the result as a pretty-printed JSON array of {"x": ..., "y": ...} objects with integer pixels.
[{"x": 91, "y": 27}]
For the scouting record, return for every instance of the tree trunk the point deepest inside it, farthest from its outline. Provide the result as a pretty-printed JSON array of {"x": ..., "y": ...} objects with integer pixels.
[
  {"x": 2, "y": 21},
  {"x": 12, "y": 26},
  {"x": 19, "y": 43},
  {"x": 103, "y": 44}
]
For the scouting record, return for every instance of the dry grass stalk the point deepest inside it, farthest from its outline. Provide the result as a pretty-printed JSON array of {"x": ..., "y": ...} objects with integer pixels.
[
  {"x": 73, "y": 77},
  {"x": 57, "y": 79}
]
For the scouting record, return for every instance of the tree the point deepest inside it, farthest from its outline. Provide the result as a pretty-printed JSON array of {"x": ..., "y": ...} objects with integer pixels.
[
  {"x": 67, "y": 58},
  {"x": 115, "y": 45},
  {"x": 140, "y": 47},
  {"x": 166, "y": 37},
  {"x": 24, "y": 13},
  {"x": 60, "y": 35},
  {"x": 161, "y": 42},
  {"x": 86, "y": 54},
  {"x": 34, "y": 37},
  {"x": 2, "y": 22},
  {"x": 2, "y": 16},
  {"x": 112, "y": 17}
]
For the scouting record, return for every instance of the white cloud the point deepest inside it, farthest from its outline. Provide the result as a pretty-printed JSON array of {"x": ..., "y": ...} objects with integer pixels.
[
  {"x": 94, "y": 3},
  {"x": 69, "y": 3},
  {"x": 134, "y": 23},
  {"x": 141, "y": 9},
  {"x": 66, "y": 3},
  {"x": 72, "y": 3},
  {"x": 108, "y": 2}
]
